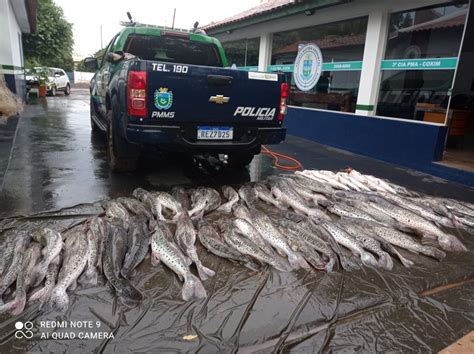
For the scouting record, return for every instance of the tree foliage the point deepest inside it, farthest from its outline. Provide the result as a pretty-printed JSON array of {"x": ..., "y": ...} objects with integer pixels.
[
  {"x": 53, "y": 42},
  {"x": 99, "y": 54}
]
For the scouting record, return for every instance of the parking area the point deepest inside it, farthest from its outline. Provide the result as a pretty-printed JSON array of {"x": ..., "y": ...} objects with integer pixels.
[{"x": 56, "y": 163}]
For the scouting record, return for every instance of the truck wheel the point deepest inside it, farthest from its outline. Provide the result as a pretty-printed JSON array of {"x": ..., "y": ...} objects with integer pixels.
[
  {"x": 114, "y": 144},
  {"x": 239, "y": 160}
]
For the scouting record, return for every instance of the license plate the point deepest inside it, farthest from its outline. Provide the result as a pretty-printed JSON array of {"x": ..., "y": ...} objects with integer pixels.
[{"x": 215, "y": 133}]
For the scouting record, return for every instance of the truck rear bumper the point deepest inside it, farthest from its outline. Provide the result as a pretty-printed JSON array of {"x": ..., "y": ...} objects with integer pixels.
[{"x": 184, "y": 138}]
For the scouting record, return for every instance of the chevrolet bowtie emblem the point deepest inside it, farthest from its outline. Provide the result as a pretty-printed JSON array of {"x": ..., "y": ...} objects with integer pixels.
[{"x": 219, "y": 99}]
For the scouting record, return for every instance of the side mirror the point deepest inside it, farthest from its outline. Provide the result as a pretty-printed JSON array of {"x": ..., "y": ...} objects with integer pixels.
[
  {"x": 91, "y": 63},
  {"x": 57, "y": 75}
]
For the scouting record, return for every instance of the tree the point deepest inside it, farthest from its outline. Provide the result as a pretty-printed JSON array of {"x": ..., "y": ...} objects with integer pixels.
[
  {"x": 52, "y": 43},
  {"x": 99, "y": 54}
]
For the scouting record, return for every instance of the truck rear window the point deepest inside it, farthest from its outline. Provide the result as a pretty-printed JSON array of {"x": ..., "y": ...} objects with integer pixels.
[{"x": 173, "y": 50}]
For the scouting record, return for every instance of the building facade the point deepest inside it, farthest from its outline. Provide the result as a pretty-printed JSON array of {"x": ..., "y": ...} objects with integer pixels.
[
  {"x": 397, "y": 81},
  {"x": 16, "y": 17}
]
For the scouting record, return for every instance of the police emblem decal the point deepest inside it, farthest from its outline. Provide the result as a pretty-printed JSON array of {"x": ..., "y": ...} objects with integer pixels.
[{"x": 163, "y": 98}]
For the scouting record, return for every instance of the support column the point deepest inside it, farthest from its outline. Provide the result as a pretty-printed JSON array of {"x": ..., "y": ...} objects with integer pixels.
[
  {"x": 374, "y": 52},
  {"x": 265, "y": 51}
]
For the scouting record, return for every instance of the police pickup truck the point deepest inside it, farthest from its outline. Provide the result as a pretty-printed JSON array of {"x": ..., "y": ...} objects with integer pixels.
[{"x": 171, "y": 89}]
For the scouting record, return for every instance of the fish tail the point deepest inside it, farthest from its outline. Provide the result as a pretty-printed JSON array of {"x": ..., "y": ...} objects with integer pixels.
[
  {"x": 406, "y": 262},
  {"x": 18, "y": 306},
  {"x": 193, "y": 288},
  {"x": 90, "y": 277},
  {"x": 7, "y": 307},
  {"x": 297, "y": 261},
  {"x": 385, "y": 261},
  {"x": 38, "y": 294},
  {"x": 204, "y": 272},
  {"x": 128, "y": 294},
  {"x": 451, "y": 243},
  {"x": 59, "y": 300},
  {"x": 434, "y": 252}
]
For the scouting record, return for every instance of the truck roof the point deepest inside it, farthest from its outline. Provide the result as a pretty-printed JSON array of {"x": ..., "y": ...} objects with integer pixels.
[{"x": 157, "y": 31}]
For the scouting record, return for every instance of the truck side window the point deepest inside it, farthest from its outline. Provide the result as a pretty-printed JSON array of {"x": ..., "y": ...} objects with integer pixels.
[{"x": 107, "y": 50}]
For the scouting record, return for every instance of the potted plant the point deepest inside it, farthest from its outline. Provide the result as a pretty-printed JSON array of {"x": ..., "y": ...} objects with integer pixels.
[{"x": 42, "y": 78}]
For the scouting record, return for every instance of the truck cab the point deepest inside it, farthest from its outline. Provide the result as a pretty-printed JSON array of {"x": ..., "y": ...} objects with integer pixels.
[{"x": 172, "y": 89}]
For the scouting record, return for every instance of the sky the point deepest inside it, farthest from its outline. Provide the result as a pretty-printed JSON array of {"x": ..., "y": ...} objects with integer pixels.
[{"x": 88, "y": 16}]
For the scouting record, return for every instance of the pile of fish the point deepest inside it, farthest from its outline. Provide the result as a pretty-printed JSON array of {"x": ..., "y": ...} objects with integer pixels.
[{"x": 307, "y": 220}]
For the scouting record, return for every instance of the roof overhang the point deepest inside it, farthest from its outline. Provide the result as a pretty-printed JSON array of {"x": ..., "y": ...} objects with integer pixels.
[
  {"x": 25, "y": 13},
  {"x": 292, "y": 8}
]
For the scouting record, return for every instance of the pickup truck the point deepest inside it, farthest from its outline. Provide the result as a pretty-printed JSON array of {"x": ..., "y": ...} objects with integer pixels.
[{"x": 171, "y": 89}]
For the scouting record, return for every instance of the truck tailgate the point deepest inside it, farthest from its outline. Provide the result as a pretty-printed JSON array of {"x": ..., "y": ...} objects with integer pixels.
[{"x": 200, "y": 94}]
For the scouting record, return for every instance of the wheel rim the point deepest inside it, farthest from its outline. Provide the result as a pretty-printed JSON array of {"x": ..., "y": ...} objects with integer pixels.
[{"x": 53, "y": 91}]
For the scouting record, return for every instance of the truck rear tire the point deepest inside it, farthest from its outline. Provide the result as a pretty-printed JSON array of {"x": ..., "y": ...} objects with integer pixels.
[
  {"x": 114, "y": 144},
  {"x": 239, "y": 160}
]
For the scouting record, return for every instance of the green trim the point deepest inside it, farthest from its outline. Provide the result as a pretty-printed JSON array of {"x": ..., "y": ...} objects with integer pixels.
[
  {"x": 288, "y": 68},
  {"x": 11, "y": 67},
  {"x": 365, "y": 107},
  {"x": 420, "y": 64},
  {"x": 275, "y": 14}
]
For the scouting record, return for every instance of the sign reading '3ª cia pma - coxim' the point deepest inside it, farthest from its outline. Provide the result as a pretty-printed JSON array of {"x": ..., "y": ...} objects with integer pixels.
[{"x": 308, "y": 67}]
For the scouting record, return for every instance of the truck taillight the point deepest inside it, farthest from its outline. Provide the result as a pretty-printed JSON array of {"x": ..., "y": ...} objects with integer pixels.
[
  {"x": 284, "y": 93},
  {"x": 136, "y": 93}
]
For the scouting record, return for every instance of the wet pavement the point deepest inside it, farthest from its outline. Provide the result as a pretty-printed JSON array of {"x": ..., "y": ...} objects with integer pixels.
[{"x": 56, "y": 163}]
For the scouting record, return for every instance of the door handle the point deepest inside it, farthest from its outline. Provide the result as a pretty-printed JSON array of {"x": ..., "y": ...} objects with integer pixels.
[{"x": 219, "y": 80}]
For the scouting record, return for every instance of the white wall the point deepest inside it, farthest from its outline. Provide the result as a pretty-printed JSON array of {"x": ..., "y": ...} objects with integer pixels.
[
  {"x": 82, "y": 77},
  {"x": 10, "y": 53}
]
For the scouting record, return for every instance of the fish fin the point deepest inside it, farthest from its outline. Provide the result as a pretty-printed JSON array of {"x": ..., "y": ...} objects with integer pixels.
[
  {"x": 73, "y": 286},
  {"x": 403, "y": 228},
  {"x": 392, "y": 250},
  {"x": 155, "y": 259},
  {"x": 251, "y": 265},
  {"x": 193, "y": 288},
  {"x": 323, "y": 203},
  {"x": 204, "y": 272},
  {"x": 297, "y": 261},
  {"x": 434, "y": 252},
  {"x": 427, "y": 240}
]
